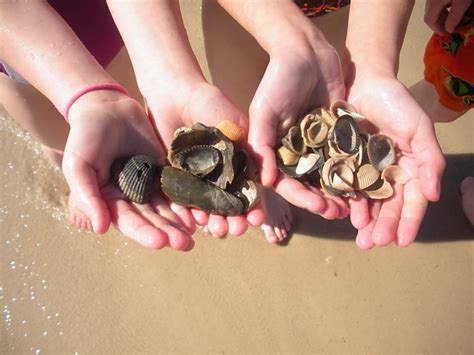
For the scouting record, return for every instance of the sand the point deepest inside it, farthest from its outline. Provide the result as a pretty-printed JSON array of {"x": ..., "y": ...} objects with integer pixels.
[{"x": 64, "y": 291}]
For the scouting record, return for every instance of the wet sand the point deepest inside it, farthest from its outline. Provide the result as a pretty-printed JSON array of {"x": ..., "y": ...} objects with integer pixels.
[{"x": 63, "y": 291}]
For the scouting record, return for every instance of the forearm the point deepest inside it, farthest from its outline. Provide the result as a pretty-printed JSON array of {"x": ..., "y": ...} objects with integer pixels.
[
  {"x": 376, "y": 32},
  {"x": 37, "y": 42},
  {"x": 156, "y": 40},
  {"x": 275, "y": 24}
]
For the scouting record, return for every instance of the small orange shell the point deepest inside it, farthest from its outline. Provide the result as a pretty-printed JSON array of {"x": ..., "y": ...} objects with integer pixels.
[{"x": 231, "y": 130}]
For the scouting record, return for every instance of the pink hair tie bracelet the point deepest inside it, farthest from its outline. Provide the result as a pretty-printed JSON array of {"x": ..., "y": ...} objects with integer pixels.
[{"x": 89, "y": 88}]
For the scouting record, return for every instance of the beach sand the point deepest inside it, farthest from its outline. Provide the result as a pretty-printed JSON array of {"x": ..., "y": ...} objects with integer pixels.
[{"x": 64, "y": 291}]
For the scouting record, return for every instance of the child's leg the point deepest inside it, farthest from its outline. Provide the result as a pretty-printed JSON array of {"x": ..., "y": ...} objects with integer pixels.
[{"x": 36, "y": 114}]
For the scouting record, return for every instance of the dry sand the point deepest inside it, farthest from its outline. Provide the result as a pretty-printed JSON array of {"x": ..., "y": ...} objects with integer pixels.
[{"x": 64, "y": 291}]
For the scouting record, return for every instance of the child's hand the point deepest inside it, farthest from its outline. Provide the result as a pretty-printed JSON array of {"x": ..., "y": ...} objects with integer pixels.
[
  {"x": 195, "y": 102},
  {"x": 393, "y": 110},
  {"x": 107, "y": 125},
  {"x": 299, "y": 77},
  {"x": 443, "y": 16}
]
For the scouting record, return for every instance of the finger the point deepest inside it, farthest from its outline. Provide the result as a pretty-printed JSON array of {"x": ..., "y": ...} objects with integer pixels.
[
  {"x": 135, "y": 226},
  {"x": 385, "y": 229},
  {"x": 435, "y": 15},
  {"x": 82, "y": 180},
  {"x": 364, "y": 236},
  {"x": 201, "y": 217},
  {"x": 335, "y": 206},
  {"x": 262, "y": 137},
  {"x": 298, "y": 194},
  {"x": 256, "y": 215},
  {"x": 178, "y": 237},
  {"x": 185, "y": 216},
  {"x": 456, "y": 13},
  {"x": 429, "y": 160},
  {"x": 413, "y": 211},
  {"x": 238, "y": 225},
  {"x": 217, "y": 225},
  {"x": 359, "y": 211}
]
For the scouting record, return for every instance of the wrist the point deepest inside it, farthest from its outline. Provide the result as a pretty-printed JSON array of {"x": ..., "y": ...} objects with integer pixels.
[{"x": 94, "y": 99}]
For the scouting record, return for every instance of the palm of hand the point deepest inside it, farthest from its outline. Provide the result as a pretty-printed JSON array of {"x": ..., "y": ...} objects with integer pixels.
[
  {"x": 205, "y": 104},
  {"x": 292, "y": 85},
  {"x": 99, "y": 135},
  {"x": 389, "y": 106}
]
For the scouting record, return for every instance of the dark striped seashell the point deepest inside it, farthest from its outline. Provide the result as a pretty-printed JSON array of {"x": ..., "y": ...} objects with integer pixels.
[
  {"x": 346, "y": 134},
  {"x": 135, "y": 177}
]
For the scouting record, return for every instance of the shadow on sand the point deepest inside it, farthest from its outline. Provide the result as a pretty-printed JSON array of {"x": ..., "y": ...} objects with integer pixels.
[{"x": 444, "y": 221}]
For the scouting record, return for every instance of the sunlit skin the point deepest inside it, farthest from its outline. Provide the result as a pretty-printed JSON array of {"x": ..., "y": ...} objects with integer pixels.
[
  {"x": 399, "y": 217},
  {"x": 98, "y": 136}
]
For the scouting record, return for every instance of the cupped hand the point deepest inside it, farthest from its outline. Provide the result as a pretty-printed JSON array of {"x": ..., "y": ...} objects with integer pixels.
[
  {"x": 105, "y": 126},
  {"x": 205, "y": 103},
  {"x": 298, "y": 79},
  {"x": 388, "y": 105}
]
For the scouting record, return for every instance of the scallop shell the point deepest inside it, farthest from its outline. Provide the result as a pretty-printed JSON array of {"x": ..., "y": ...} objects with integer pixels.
[
  {"x": 381, "y": 151},
  {"x": 294, "y": 141},
  {"x": 231, "y": 130},
  {"x": 366, "y": 176},
  {"x": 380, "y": 190},
  {"x": 394, "y": 174},
  {"x": 287, "y": 156},
  {"x": 135, "y": 177}
]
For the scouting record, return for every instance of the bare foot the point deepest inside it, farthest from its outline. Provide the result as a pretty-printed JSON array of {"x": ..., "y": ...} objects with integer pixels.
[
  {"x": 278, "y": 216},
  {"x": 77, "y": 217},
  {"x": 467, "y": 192}
]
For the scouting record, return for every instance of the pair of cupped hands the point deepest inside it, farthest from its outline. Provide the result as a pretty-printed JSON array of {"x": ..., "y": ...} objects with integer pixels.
[{"x": 106, "y": 125}]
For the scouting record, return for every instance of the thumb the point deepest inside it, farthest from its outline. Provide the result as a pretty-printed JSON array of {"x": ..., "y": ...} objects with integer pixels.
[
  {"x": 263, "y": 129},
  {"x": 82, "y": 181}
]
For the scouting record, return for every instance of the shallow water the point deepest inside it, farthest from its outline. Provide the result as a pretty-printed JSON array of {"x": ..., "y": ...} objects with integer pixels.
[{"x": 72, "y": 292}]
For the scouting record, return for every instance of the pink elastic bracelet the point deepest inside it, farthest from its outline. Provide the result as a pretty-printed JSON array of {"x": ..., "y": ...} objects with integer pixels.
[{"x": 89, "y": 88}]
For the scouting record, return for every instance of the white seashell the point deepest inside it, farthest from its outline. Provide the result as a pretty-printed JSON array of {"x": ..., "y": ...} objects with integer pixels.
[
  {"x": 366, "y": 176},
  {"x": 307, "y": 163}
]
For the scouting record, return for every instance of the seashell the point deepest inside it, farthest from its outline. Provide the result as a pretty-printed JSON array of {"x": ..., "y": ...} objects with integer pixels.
[
  {"x": 191, "y": 191},
  {"x": 366, "y": 176},
  {"x": 135, "y": 177},
  {"x": 339, "y": 171},
  {"x": 231, "y": 130},
  {"x": 381, "y": 151},
  {"x": 307, "y": 163},
  {"x": 287, "y": 156},
  {"x": 346, "y": 135},
  {"x": 294, "y": 141},
  {"x": 380, "y": 190},
  {"x": 314, "y": 131},
  {"x": 340, "y": 108},
  {"x": 198, "y": 160},
  {"x": 394, "y": 174},
  {"x": 248, "y": 194}
]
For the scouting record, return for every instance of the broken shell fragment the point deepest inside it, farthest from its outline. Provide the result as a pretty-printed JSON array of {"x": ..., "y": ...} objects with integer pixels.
[
  {"x": 346, "y": 135},
  {"x": 287, "y": 156},
  {"x": 380, "y": 190},
  {"x": 294, "y": 141},
  {"x": 314, "y": 131},
  {"x": 394, "y": 174},
  {"x": 307, "y": 163},
  {"x": 198, "y": 160}
]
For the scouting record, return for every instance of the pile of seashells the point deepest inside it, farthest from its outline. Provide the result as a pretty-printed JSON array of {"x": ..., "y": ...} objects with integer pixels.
[
  {"x": 328, "y": 149},
  {"x": 208, "y": 171}
]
